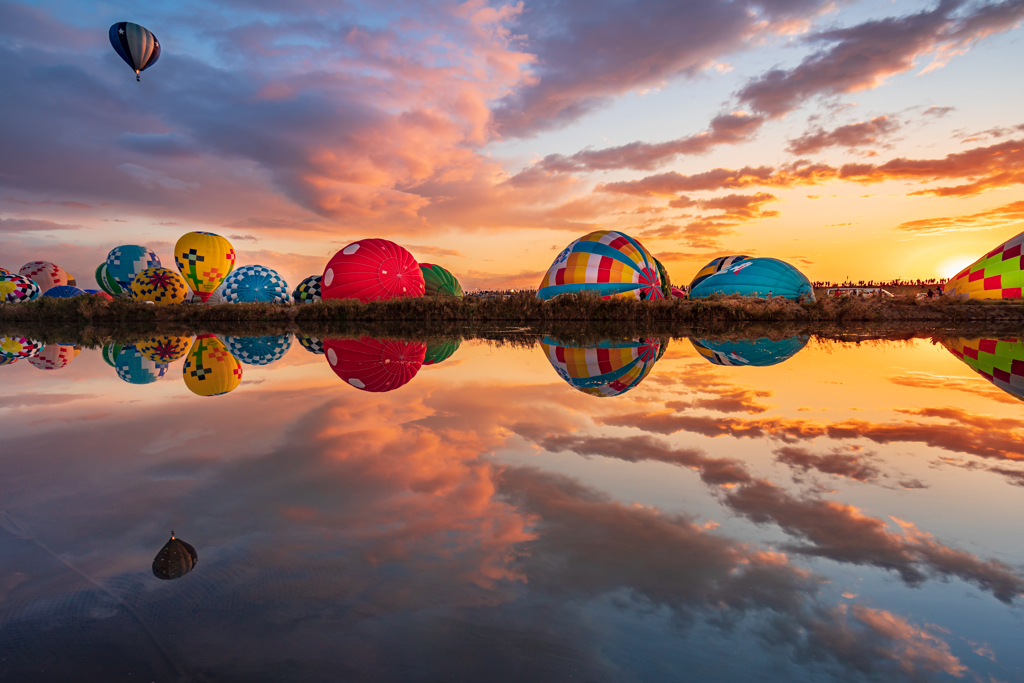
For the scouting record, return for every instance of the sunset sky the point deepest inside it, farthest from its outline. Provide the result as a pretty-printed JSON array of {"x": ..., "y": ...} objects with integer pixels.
[{"x": 865, "y": 139}]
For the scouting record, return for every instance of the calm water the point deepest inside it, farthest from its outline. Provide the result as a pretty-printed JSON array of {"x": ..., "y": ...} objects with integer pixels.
[{"x": 699, "y": 511}]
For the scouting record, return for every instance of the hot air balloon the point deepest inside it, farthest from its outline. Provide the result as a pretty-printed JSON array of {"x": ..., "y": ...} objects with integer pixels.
[
  {"x": 439, "y": 282},
  {"x": 756, "y": 277},
  {"x": 607, "y": 368},
  {"x": 53, "y": 357},
  {"x": 4, "y": 360},
  {"x": 19, "y": 347},
  {"x": 312, "y": 344},
  {"x": 1000, "y": 361},
  {"x": 135, "y": 368},
  {"x": 715, "y": 266},
  {"x": 440, "y": 350},
  {"x": 45, "y": 274},
  {"x": 4, "y": 271},
  {"x": 174, "y": 560},
  {"x": 204, "y": 260},
  {"x": 308, "y": 291},
  {"x": 372, "y": 270},
  {"x": 96, "y": 292},
  {"x": 375, "y": 364},
  {"x": 679, "y": 293},
  {"x": 160, "y": 285},
  {"x": 109, "y": 353},
  {"x": 127, "y": 261},
  {"x": 16, "y": 288},
  {"x": 107, "y": 282},
  {"x": 164, "y": 348},
  {"x": 666, "y": 284},
  {"x": 255, "y": 283},
  {"x": 607, "y": 262},
  {"x": 210, "y": 369},
  {"x": 996, "y": 275},
  {"x": 136, "y": 45},
  {"x": 752, "y": 352},
  {"x": 259, "y": 350},
  {"x": 63, "y": 292}
]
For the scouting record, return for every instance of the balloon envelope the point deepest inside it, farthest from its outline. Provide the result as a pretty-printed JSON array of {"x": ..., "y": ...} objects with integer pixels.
[
  {"x": 259, "y": 350},
  {"x": 314, "y": 345},
  {"x": 996, "y": 275},
  {"x": 756, "y": 277},
  {"x": 250, "y": 284},
  {"x": 607, "y": 262},
  {"x": 753, "y": 352},
  {"x": 16, "y": 288},
  {"x": 19, "y": 347},
  {"x": 136, "y": 45},
  {"x": 678, "y": 293},
  {"x": 45, "y": 274},
  {"x": 63, "y": 292},
  {"x": 174, "y": 560},
  {"x": 135, "y": 368},
  {"x": 210, "y": 369},
  {"x": 127, "y": 261},
  {"x": 715, "y": 266},
  {"x": 440, "y": 350},
  {"x": 308, "y": 291},
  {"x": 160, "y": 285},
  {"x": 607, "y": 368},
  {"x": 666, "y": 284},
  {"x": 204, "y": 260},
  {"x": 165, "y": 348},
  {"x": 1000, "y": 361},
  {"x": 53, "y": 357},
  {"x": 372, "y": 270},
  {"x": 375, "y": 364},
  {"x": 109, "y": 353},
  {"x": 439, "y": 281},
  {"x": 107, "y": 282}
]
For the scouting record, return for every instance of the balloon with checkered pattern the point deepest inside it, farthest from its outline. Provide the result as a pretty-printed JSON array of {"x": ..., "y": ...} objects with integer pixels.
[
  {"x": 250, "y": 284},
  {"x": 996, "y": 275},
  {"x": 128, "y": 260}
]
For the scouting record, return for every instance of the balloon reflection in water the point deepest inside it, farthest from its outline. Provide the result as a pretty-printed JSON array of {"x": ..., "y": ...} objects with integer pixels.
[
  {"x": 259, "y": 350},
  {"x": 19, "y": 347},
  {"x": 210, "y": 369},
  {"x": 135, "y": 368},
  {"x": 312, "y": 344},
  {"x": 109, "y": 353},
  {"x": 757, "y": 353},
  {"x": 441, "y": 350},
  {"x": 1000, "y": 361},
  {"x": 174, "y": 560},
  {"x": 375, "y": 364},
  {"x": 54, "y": 356},
  {"x": 164, "y": 348},
  {"x": 607, "y": 368}
]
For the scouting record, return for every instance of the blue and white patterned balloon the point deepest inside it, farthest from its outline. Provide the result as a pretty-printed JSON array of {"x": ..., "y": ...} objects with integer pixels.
[
  {"x": 255, "y": 283},
  {"x": 259, "y": 350},
  {"x": 135, "y": 368},
  {"x": 63, "y": 292},
  {"x": 128, "y": 260}
]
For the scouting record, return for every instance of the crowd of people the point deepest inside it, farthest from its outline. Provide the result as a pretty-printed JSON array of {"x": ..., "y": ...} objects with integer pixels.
[{"x": 932, "y": 282}]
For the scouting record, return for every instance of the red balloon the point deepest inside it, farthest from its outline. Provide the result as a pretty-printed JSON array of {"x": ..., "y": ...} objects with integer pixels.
[
  {"x": 372, "y": 270},
  {"x": 374, "y": 364}
]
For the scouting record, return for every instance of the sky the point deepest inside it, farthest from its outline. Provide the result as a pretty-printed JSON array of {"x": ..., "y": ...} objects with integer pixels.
[{"x": 869, "y": 140}]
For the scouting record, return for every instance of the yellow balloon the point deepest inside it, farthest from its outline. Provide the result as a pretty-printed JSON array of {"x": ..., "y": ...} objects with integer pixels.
[
  {"x": 210, "y": 369},
  {"x": 164, "y": 348},
  {"x": 204, "y": 260},
  {"x": 162, "y": 286}
]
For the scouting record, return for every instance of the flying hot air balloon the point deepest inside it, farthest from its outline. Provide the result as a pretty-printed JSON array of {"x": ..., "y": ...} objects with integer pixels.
[
  {"x": 758, "y": 353},
  {"x": 45, "y": 274},
  {"x": 996, "y": 275},
  {"x": 136, "y": 45},
  {"x": 607, "y": 262},
  {"x": 164, "y": 348},
  {"x": 308, "y": 291},
  {"x": 607, "y": 368},
  {"x": 174, "y": 560},
  {"x": 372, "y": 270},
  {"x": 160, "y": 285},
  {"x": 210, "y": 369},
  {"x": 204, "y": 260},
  {"x": 16, "y": 288},
  {"x": 756, "y": 277},
  {"x": 375, "y": 364},
  {"x": 439, "y": 281}
]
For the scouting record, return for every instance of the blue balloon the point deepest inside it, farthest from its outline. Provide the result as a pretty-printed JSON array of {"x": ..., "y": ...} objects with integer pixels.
[
  {"x": 259, "y": 350},
  {"x": 128, "y": 260},
  {"x": 135, "y": 368},
  {"x": 757, "y": 277},
  {"x": 758, "y": 353},
  {"x": 255, "y": 283},
  {"x": 63, "y": 292}
]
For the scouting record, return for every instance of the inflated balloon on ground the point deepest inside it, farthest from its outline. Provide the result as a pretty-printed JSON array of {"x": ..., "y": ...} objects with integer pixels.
[
  {"x": 127, "y": 261},
  {"x": 607, "y": 262},
  {"x": 135, "y": 44},
  {"x": 250, "y": 284},
  {"x": 439, "y": 281},
  {"x": 308, "y": 291},
  {"x": 756, "y": 277},
  {"x": 209, "y": 368},
  {"x": 679, "y": 293},
  {"x": 63, "y": 292},
  {"x": 96, "y": 292},
  {"x": 107, "y": 282},
  {"x": 16, "y": 288},
  {"x": 666, "y": 283},
  {"x": 259, "y": 350},
  {"x": 53, "y": 357},
  {"x": 160, "y": 285},
  {"x": 165, "y": 348},
  {"x": 1000, "y": 361},
  {"x": 372, "y": 270},
  {"x": 715, "y": 266},
  {"x": 376, "y": 365},
  {"x": 751, "y": 352},
  {"x": 205, "y": 260},
  {"x": 607, "y": 368},
  {"x": 135, "y": 368},
  {"x": 996, "y": 275},
  {"x": 45, "y": 274}
]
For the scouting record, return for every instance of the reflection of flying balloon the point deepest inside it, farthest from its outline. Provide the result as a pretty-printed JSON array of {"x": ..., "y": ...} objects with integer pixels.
[
  {"x": 127, "y": 261},
  {"x": 63, "y": 292},
  {"x": 375, "y": 364},
  {"x": 757, "y": 277},
  {"x": 164, "y": 348},
  {"x": 19, "y": 347},
  {"x": 210, "y": 369},
  {"x": 160, "y": 285},
  {"x": 607, "y": 368},
  {"x": 107, "y": 282},
  {"x": 607, "y": 262},
  {"x": 44, "y": 274},
  {"x": 259, "y": 350},
  {"x": 440, "y": 350},
  {"x": 135, "y": 368},
  {"x": 109, "y": 353},
  {"x": 372, "y": 270},
  {"x": 53, "y": 357},
  {"x": 312, "y": 344},
  {"x": 1000, "y": 361},
  {"x": 996, "y": 275},
  {"x": 439, "y": 281},
  {"x": 136, "y": 45},
  {"x": 308, "y": 291},
  {"x": 715, "y": 266},
  {"x": 753, "y": 352},
  {"x": 250, "y": 284},
  {"x": 16, "y": 288},
  {"x": 204, "y": 260},
  {"x": 174, "y": 560}
]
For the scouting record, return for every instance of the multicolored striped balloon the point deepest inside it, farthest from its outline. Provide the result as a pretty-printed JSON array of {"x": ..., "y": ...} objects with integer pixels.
[
  {"x": 607, "y": 262},
  {"x": 996, "y": 275},
  {"x": 607, "y": 368},
  {"x": 16, "y": 288},
  {"x": 107, "y": 282},
  {"x": 135, "y": 44}
]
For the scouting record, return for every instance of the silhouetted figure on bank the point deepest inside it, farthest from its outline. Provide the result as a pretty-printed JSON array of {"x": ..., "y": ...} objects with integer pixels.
[{"x": 174, "y": 560}]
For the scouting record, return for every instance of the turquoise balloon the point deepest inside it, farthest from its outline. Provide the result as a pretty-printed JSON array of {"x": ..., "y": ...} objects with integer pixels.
[
  {"x": 756, "y": 277},
  {"x": 758, "y": 353}
]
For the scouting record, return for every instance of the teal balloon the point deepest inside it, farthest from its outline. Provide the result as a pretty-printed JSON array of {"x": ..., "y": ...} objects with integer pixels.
[
  {"x": 758, "y": 353},
  {"x": 135, "y": 368},
  {"x": 756, "y": 277}
]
